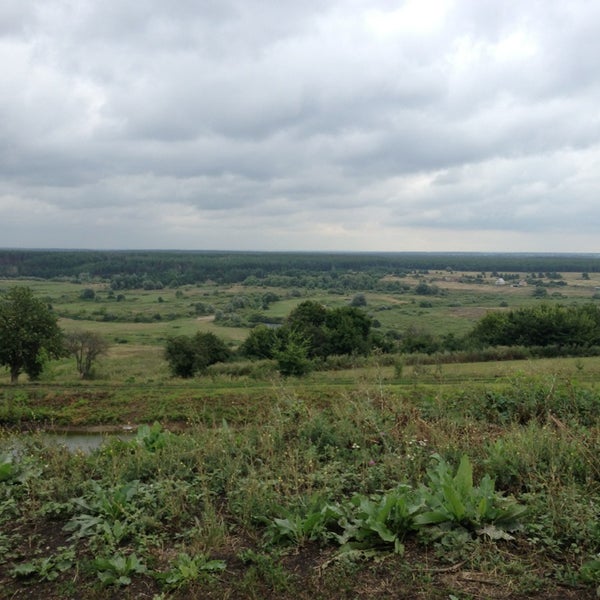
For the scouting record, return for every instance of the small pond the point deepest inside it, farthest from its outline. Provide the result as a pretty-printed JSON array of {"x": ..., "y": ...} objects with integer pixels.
[{"x": 83, "y": 441}]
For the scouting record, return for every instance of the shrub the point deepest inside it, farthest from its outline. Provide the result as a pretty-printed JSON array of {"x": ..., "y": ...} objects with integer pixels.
[{"x": 190, "y": 355}]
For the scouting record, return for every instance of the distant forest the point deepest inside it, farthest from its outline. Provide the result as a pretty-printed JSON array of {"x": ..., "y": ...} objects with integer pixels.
[{"x": 154, "y": 268}]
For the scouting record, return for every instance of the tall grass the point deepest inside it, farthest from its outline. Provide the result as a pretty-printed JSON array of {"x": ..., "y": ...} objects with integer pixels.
[{"x": 213, "y": 488}]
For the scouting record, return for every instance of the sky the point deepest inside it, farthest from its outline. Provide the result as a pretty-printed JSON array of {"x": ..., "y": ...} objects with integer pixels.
[{"x": 337, "y": 125}]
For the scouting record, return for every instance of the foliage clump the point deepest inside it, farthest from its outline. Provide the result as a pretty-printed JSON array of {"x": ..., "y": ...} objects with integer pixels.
[
  {"x": 312, "y": 332},
  {"x": 29, "y": 333},
  {"x": 189, "y": 355},
  {"x": 543, "y": 325}
]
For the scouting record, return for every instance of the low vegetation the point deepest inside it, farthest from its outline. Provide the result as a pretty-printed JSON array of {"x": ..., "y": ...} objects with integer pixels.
[
  {"x": 315, "y": 432},
  {"x": 412, "y": 490}
]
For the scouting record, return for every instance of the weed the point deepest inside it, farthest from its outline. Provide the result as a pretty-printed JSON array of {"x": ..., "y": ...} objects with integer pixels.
[
  {"x": 332, "y": 472},
  {"x": 152, "y": 438},
  {"x": 590, "y": 572},
  {"x": 118, "y": 569},
  {"x": 455, "y": 499},
  {"x": 189, "y": 569},
  {"x": 313, "y": 524},
  {"x": 47, "y": 569},
  {"x": 8, "y": 470},
  {"x": 102, "y": 509},
  {"x": 386, "y": 521}
]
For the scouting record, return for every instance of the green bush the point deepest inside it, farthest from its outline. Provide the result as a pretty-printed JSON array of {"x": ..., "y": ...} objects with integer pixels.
[{"x": 189, "y": 355}]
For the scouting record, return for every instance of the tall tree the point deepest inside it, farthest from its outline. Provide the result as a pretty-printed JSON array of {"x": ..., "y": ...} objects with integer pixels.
[
  {"x": 85, "y": 347},
  {"x": 29, "y": 333},
  {"x": 308, "y": 320}
]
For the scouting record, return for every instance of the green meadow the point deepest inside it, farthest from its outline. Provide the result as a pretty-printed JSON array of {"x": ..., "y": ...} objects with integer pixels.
[{"x": 386, "y": 476}]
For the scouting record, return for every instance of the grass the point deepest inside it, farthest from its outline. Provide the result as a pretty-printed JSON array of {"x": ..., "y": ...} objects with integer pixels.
[
  {"x": 193, "y": 512},
  {"x": 133, "y": 385},
  {"x": 267, "y": 487}
]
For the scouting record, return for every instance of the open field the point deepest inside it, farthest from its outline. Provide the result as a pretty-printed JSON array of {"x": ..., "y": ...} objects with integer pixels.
[
  {"x": 347, "y": 483},
  {"x": 147, "y": 317}
]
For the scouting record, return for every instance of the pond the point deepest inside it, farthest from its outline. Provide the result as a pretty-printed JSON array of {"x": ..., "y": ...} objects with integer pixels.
[{"x": 83, "y": 441}]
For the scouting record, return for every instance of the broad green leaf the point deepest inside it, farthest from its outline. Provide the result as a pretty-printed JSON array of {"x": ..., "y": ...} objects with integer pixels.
[
  {"x": 398, "y": 547},
  {"x": 25, "y": 569},
  {"x": 464, "y": 477},
  {"x": 454, "y": 504},
  {"x": 214, "y": 565},
  {"x": 432, "y": 517},
  {"x": 482, "y": 508},
  {"x": 384, "y": 533}
]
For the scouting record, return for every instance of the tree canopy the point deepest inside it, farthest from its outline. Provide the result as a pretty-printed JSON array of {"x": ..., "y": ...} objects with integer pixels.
[
  {"x": 357, "y": 271},
  {"x": 543, "y": 325},
  {"x": 189, "y": 355},
  {"x": 323, "y": 332},
  {"x": 29, "y": 333}
]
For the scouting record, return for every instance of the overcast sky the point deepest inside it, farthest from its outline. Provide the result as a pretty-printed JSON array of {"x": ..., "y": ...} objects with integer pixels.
[{"x": 465, "y": 125}]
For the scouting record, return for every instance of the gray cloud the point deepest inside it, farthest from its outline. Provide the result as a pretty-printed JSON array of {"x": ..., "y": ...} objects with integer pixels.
[{"x": 355, "y": 124}]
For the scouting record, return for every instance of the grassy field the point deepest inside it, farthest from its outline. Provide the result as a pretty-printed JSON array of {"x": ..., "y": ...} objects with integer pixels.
[
  {"x": 142, "y": 318},
  {"x": 373, "y": 480},
  {"x": 313, "y": 490}
]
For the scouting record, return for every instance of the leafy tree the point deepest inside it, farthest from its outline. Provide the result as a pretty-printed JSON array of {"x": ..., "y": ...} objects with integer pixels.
[
  {"x": 418, "y": 340},
  {"x": 181, "y": 356},
  {"x": 492, "y": 330},
  {"x": 348, "y": 331},
  {"x": 85, "y": 347},
  {"x": 268, "y": 299},
  {"x": 308, "y": 320},
  {"x": 209, "y": 349},
  {"x": 383, "y": 343},
  {"x": 189, "y": 355},
  {"x": 344, "y": 330},
  {"x": 292, "y": 358},
  {"x": 543, "y": 325},
  {"x": 423, "y": 289},
  {"x": 29, "y": 333},
  {"x": 307, "y": 313},
  {"x": 262, "y": 342}
]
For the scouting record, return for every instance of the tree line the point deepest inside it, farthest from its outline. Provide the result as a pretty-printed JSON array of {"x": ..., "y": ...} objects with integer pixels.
[
  {"x": 544, "y": 325},
  {"x": 172, "y": 268},
  {"x": 311, "y": 333}
]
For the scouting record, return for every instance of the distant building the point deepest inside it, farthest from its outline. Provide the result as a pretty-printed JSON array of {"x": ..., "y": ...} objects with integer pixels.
[{"x": 500, "y": 281}]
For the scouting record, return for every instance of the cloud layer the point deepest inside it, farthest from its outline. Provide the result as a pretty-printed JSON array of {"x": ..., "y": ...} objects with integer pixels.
[{"x": 349, "y": 125}]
